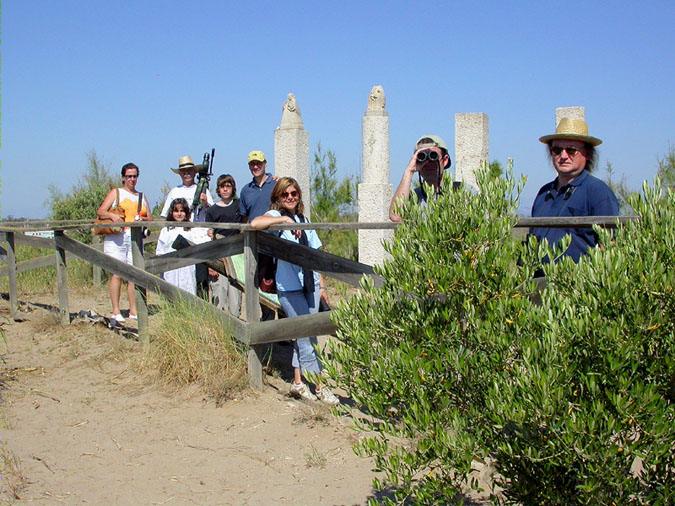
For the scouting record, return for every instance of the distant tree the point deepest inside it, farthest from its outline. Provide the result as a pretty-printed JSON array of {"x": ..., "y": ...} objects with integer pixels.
[
  {"x": 333, "y": 201},
  {"x": 163, "y": 192},
  {"x": 84, "y": 198},
  {"x": 495, "y": 169},
  {"x": 666, "y": 170},
  {"x": 619, "y": 187}
]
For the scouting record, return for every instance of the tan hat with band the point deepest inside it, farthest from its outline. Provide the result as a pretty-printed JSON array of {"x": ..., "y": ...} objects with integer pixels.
[
  {"x": 185, "y": 162},
  {"x": 571, "y": 130}
]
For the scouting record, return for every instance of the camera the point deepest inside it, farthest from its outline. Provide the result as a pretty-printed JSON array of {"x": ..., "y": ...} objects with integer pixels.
[{"x": 427, "y": 154}]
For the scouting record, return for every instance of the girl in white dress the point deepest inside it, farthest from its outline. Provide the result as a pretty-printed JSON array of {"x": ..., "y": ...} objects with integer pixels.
[{"x": 183, "y": 277}]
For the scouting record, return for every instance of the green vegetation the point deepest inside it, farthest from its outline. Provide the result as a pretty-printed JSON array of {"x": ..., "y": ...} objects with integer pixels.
[
  {"x": 190, "y": 345},
  {"x": 334, "y": 201},
  {"x": 454, "y": 363},
  {"x": 43, "y": 280},
  {"x": 84, "y": 198},
  {"x": 666, "y": 170}
]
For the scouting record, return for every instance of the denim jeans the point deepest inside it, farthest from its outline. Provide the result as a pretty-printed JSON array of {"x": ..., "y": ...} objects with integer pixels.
[{"x": 298, "y": 303}]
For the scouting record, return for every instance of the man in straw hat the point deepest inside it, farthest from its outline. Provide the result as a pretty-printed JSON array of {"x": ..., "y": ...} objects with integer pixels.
[
  {"x": 186, "y": 170},
  {"x": 429, "y": 160},
  {"x": 574, "y": 192},
  {"x": 186, "y": 190}
]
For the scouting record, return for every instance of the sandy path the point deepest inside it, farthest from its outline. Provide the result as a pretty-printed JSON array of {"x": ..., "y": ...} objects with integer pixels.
[{"x": 86, "y": 427}]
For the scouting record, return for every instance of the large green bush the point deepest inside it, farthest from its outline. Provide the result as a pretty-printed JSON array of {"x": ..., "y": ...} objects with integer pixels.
[
  {"x": 84, "y": 198},
  {"x": 453, "y": 363}
]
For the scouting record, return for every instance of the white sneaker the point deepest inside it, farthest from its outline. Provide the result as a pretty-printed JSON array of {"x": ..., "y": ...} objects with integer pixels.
[
  {"x": 133, "y": 317},
  {"x": 301, "y": 391},
  {"x": 325, "y": 395},
  {"x": 117, "y": 317}
]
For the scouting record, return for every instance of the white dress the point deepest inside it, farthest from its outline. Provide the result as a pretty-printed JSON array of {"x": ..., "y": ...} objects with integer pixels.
[{"x": 184, "y": 277}]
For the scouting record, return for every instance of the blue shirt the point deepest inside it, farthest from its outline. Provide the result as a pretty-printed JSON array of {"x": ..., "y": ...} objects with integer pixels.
[
  {"x": 586, "y": 195},
  {"x": 289, "y": 276},
  {"x": 255, "y": 200}
]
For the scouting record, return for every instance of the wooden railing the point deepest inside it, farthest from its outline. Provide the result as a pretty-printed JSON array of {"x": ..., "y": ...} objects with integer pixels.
[{"x": 145, "y": 272}]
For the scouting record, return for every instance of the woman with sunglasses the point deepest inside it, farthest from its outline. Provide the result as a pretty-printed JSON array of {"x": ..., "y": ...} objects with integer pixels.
[
  {"x": 118, "y": 245},
  {"x": 299, "y": 290}
]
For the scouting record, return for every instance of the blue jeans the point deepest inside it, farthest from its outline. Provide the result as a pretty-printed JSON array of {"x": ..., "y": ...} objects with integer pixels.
[{"x": 298, "y": 303}]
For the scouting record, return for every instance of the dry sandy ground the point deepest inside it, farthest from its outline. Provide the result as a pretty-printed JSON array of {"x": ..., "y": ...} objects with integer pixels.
[{"x": 80, "y": 424}]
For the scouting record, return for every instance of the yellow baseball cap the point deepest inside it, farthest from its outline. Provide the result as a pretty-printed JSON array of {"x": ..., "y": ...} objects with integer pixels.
[{"x": 257, "y": 156}]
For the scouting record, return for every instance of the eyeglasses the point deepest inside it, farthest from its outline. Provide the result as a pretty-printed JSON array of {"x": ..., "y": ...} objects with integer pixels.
[
  {"x": 292, "y": 194},
  {"x": 557, "y": 150}
]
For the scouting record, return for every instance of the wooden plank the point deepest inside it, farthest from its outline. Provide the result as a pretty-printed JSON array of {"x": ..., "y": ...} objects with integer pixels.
[
  {"x": 35, "y": 242},
  {"x": 141, "y": 295},
  {"x": 251, "y": 298},
  {"x": 35, "y": 263},
  {"x": 196, "y": 254},
  {"x": 148, "y": 281},
  {"x": 332, "y": 265},
  {"x": 575, "y": 221},
  {"x": 291, "y": 328},
  {"x": 11, "y": 273},
  {"x": 62, "y": 279},
  {"x": 96, "y": 271}
]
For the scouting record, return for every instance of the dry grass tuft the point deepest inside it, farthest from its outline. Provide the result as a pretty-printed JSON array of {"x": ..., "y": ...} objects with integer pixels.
[
  {"x": 315, "y": 458},
  {"x": 12, "y": 479},
  {"x": 189, "y": 345},
  {"x": 313, "y": 416}
]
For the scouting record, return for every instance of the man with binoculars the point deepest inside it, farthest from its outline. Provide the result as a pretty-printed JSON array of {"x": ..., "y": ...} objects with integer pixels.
[{"x": 430, "y": 159}]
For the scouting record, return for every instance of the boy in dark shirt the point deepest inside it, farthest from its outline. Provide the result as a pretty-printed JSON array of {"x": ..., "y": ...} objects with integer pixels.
[{"x": 226, "y": 210}]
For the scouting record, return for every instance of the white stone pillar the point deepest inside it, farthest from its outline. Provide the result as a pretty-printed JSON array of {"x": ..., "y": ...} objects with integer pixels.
[
  {"x": 375, "y": 189},
  {"x": 291, "y": 149},
  {"x": 471, "y": 146},
  {"x": 572, "y": 112}
]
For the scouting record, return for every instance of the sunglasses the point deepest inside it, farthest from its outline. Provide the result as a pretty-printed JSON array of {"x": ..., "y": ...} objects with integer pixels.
[
  {"x": 292, "y": 194},
  {"x": 132, "y": 176},
  {"x": 557, "y": 150}
]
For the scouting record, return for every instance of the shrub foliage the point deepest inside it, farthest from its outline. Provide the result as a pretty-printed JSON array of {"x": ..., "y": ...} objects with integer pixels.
[
  {"x": 454, "y": 363},
  {"x": 84, "y": 198}
]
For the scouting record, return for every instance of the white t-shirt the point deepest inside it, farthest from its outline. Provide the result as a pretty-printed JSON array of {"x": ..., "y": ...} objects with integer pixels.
[{"x": 183, "y": 192}]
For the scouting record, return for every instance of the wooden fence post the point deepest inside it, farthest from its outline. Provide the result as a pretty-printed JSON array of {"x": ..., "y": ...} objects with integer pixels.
[
  {"x": 141, "y": 293},
  {"x": 11, "y": 276},
  {"x": 256, "y": 352},
  {"x": 96, "y": 269},
  {"x": 62, "y": 280}
]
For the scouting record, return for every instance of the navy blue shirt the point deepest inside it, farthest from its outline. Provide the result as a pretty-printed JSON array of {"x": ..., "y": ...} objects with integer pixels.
[
  {"x": 255, "y": 200},
  {"x": 586, "y": 195}
]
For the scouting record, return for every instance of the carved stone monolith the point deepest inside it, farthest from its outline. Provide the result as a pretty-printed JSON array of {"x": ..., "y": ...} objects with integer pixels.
[
  {"x": 471, "y": 146},
  {"x": 375, "y": 189},
  {"x": 291, "y": 149},
  {"x": 573, "y": 112}
]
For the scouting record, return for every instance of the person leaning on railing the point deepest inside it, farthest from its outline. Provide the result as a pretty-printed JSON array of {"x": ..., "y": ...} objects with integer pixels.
[
  {"x": 574, "y": 192},
  {"x": 118, "y": 245},
  {"x": 299, "y": 290}
]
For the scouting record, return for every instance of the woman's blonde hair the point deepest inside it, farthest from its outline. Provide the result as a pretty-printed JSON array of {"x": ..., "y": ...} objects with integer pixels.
[{"x": 282, "y": 185}]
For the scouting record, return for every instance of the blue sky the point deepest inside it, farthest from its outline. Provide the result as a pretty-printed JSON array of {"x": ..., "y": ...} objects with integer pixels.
[{"x": 148, "y": 81}]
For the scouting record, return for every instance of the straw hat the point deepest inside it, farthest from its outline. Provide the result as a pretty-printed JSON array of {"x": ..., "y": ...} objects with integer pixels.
[
  {"x": 185, "y": 162},
  {"x": 571, "y": 130}
]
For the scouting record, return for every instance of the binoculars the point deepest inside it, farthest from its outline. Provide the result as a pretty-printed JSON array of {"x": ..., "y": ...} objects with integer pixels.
[{"x": 427, "y": 154}]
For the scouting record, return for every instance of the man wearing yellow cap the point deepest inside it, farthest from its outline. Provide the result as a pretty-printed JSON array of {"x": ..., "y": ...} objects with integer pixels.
[
  {"x": 574, "y": 192},
  {"x": 429, "y": 160},
  {"x": 254, "y": 199}
]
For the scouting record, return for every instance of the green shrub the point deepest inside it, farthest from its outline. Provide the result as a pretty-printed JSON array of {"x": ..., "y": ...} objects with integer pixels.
[
  {"x": 334, "y": 202},
  {"x": 84, "y": 198},
  {"x": 453, "y": 363}
]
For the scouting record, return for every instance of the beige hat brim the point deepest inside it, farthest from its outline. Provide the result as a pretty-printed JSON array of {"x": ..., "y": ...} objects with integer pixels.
[
  {"x": 593, "y": 141},
  {"x": 194, "y": 168}
]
